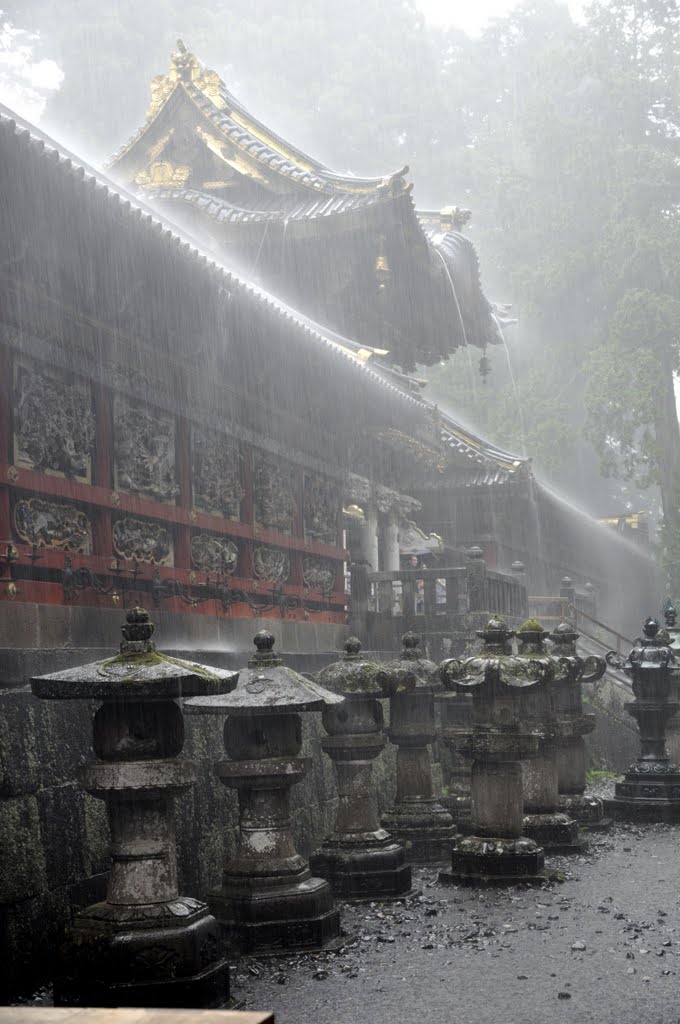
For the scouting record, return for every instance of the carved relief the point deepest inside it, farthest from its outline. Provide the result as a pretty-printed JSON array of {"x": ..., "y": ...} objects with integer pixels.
[
  {"x": 271, "y": 564},
  {"x": 162, "y": 174},
  {"x": 143, "y": 540},
  {"x": 216, "y": 468},
  {"x": 52, "y": 524},
  {"x": 161, "y": 87},
  {"x": 53, "y": 422},
  {"x": 321, "y": 506},
  {"x": 273, "y": 495},
  {"x": 144, "y": 451},
  {"x": 213, "y": 554},
  {"x": 319, "y": 573}
]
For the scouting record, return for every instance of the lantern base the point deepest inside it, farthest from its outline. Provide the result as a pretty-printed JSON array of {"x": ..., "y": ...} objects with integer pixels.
[
  {"x": 586, "y": 810},
  {"x": 480, "y": 860},
  {"x": 650, "y": 792},
  {"x": 423, "y": 827},
  {"x": 167, "y": 955},
  {"x": 556, "y": 832},
  {"x": 257, "y": 918},
  {"x": 363, "y": 867}
]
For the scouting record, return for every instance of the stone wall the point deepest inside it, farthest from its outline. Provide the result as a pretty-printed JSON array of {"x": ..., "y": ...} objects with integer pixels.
[
  {"x": 54, "y": 837},
  {"x": 615, "y": 743}
]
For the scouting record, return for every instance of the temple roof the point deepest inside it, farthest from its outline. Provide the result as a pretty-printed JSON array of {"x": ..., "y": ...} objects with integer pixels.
[
  {"x": 245, "y": 145},
  {"x": 131, "y": 211},
  {"x": 413, "y": 276}
]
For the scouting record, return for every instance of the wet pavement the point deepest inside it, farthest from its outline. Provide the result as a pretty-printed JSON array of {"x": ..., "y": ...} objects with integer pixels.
[{"x": 600, "y": 944}]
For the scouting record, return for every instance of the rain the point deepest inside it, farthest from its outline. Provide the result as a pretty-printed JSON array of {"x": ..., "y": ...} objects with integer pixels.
[{"x": 339, "y": 510}]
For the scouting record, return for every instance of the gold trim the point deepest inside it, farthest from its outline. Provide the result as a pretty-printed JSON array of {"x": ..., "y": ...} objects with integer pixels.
[{"x": 162, "y": 174}]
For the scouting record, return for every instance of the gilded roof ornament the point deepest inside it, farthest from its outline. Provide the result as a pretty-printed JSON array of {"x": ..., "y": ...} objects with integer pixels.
[
  {"x": 185, "y": 66},
  {"x": 161, "y": 87},
  {"x": 163, "y": 173}
]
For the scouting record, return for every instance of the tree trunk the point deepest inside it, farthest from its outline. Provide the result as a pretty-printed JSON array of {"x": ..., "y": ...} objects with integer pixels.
[{"x": 667, "y": 432}]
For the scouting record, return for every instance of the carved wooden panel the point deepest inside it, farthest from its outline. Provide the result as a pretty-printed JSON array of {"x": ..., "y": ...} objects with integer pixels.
[
  {"x": 144, "y": 448},
  {"x": 53, "y": 524},
  {"x": 270, "y": 564},
  {"x": 319, "y": 573},
  {"x": 216, "y": 473},
  {"x": 321, "y": 508},
  {"x": 142, "y": 539},
  {"x": 213, "y": 554},
  {"x": 53, "y": 421},
  {"x": 273, "y": 493}
]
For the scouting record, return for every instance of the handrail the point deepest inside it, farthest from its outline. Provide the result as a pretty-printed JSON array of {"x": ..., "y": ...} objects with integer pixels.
[
  {"x": 578, "y": 613},
  {"x": 395, "y": 575}
]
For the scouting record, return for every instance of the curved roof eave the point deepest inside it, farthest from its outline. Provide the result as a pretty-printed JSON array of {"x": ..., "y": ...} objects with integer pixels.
[{"x": 134, "y": 210}]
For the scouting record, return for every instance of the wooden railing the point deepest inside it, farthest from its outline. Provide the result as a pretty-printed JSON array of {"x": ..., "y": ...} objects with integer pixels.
[
  {"x": 600, "y": 632},
  {"x": 434, "y": 602},
  {"x": 418, "y": 592},
  {"x": 504, "y": 596}
]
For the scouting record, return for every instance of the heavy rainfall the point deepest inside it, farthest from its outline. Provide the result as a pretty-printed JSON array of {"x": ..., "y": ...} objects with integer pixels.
[{"x": 339, "y": 511}]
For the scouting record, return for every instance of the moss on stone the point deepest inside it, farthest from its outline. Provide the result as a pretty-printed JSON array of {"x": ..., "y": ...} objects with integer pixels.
[
  {"x": 150, "y": 659},
  {"x": 531, "y": 626}
]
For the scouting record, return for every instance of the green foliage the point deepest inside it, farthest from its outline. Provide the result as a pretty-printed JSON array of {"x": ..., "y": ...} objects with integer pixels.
[
  {"x": 617, "y": 401},
  {"x": 594, "y": 775}
]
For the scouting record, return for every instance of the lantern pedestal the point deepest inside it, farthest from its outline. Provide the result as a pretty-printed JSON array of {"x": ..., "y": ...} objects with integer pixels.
[
  {"x": 502, "y": 687},
  {"x": 650, "y": 790},
  {"x": 418, "y": 821},
  {"x": 269, "y": 901},
  {"x": 359, "y": 858},
  {"x": 497, "y": 852},
  {"x": 570, "y": 753},
  {"x": 144, "y": 945},
  {"x": 543, "y": 821}
]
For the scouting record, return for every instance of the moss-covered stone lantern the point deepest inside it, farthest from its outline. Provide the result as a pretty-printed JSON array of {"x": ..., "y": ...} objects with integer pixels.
[
  {"x": 543, "y": 819},
  {"x": 650, "y": 790},
  {"x": 499, "y": 740},
  {"x": 360, "y": 858},
  {"x": 418, "y": 821},
  {"x": 571, "y": 749},
  {"x": 144, "y": 945},
  {"x": 269, "y": 899}
]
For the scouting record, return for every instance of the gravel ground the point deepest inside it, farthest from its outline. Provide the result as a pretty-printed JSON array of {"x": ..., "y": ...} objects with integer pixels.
[{"x": 602, "y": 945}]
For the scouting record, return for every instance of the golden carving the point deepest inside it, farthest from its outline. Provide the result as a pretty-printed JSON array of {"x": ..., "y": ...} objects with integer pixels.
[
  {"x": 217, "y": 184},
  {"x": 161, "y": 87},
  {"x": 184, "y": 65},
  {"x": 163, "y": 173},
  {"x": 453, "y": 218},
  {"x": 407, "y": 445},
  {"x": 12, "y": 474},
  {"x": 210, "y": 84},
  {"x": 154, "y": 151},
  {"x": 222, "y": 150}
]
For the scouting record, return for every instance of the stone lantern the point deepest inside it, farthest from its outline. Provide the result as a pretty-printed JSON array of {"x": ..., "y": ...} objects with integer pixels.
[
  {"x": 543, "y": 820},
  {"x": 418, "y": 821},
  {"x": 359, "y": 858},
  {"x": 269, "y": 900},
  {"x": 145, "y": 945},
  {"x": 650, "y": 790},
  {"x": 673, "y": 725},
  {"x": 497, "y": 851},
  {"x": 571, "y": 749}
]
